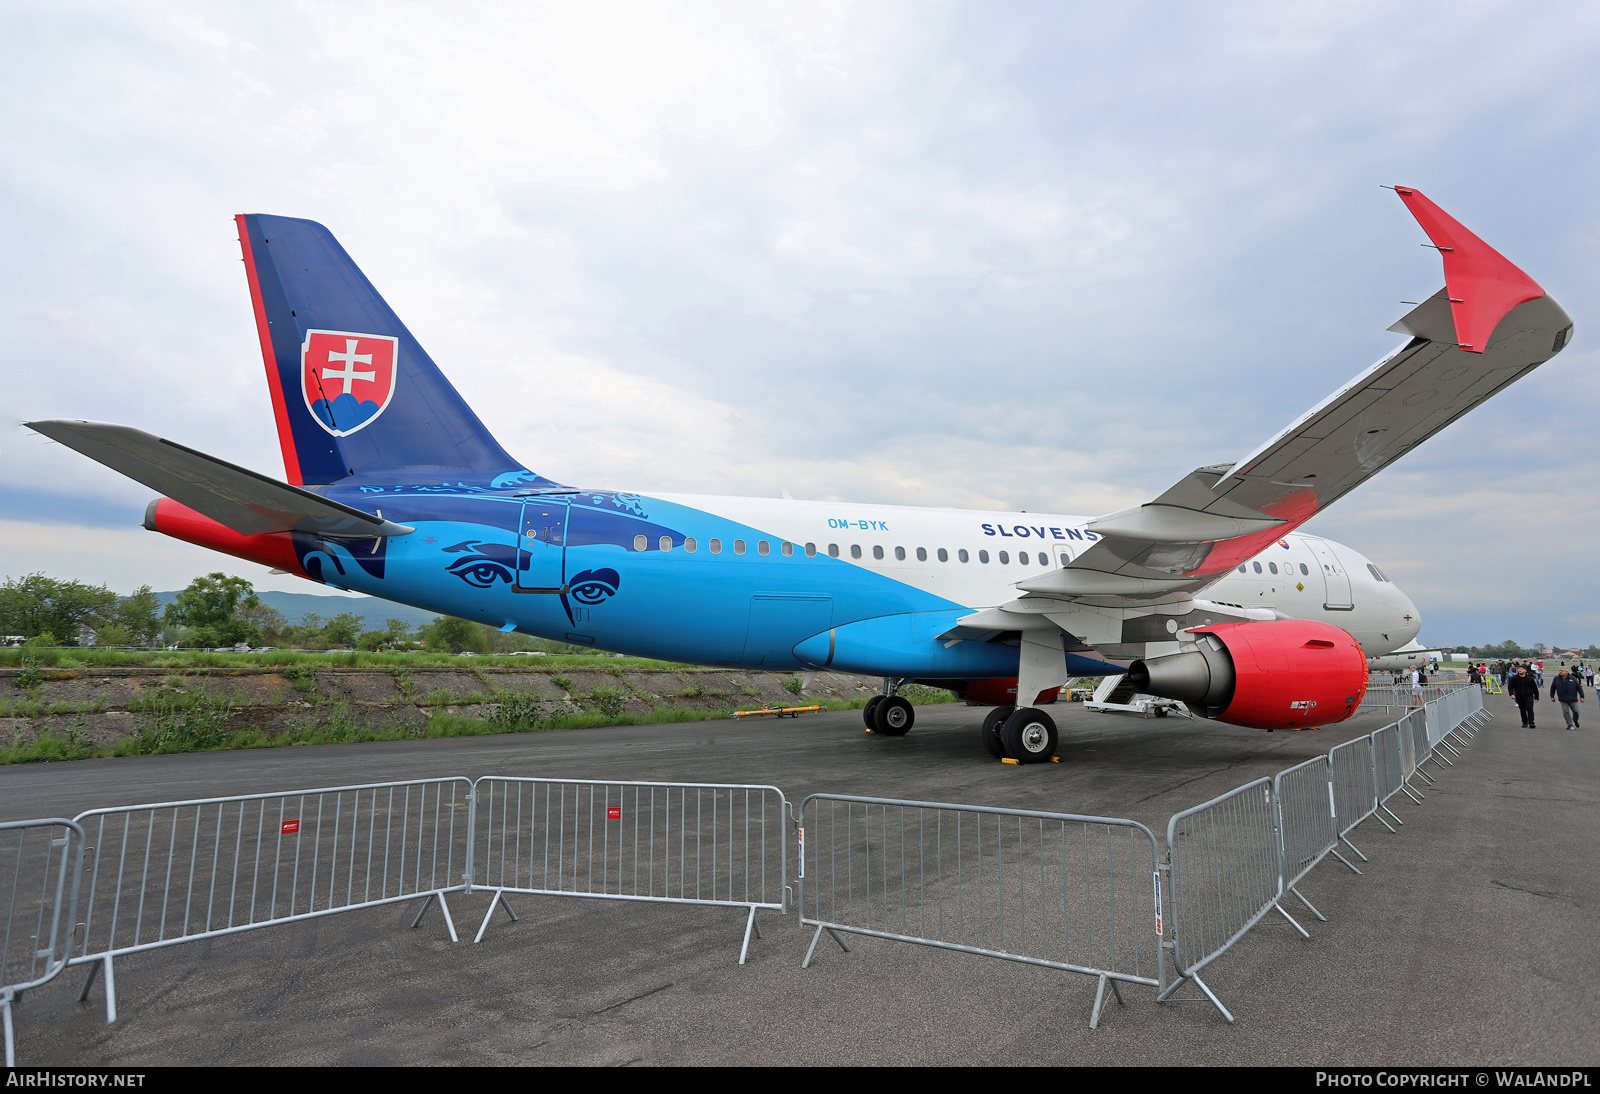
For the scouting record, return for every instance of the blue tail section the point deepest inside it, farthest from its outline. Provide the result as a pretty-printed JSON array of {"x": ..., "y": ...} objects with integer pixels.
[{"x": 356, "y": 398}]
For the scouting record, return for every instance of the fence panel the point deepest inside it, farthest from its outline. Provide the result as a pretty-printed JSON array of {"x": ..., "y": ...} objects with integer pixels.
[
  {"x": 676, "y": 843},
  {"x": 1054, "y": 889},
  {"x": 171, "y": 872},
  {"x": 1226, "y": 875},
  {"x": 1307, "y": 817},
  {"x": 1355, "y": 795},
  {"x": 1387, "y": 761},
  {"x": 41, "y": 868}
]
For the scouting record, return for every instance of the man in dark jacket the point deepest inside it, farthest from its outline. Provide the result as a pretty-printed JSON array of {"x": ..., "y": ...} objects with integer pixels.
[
  {"x": 1525, "y": 691},
  {"x": 1566, "y": 690}
]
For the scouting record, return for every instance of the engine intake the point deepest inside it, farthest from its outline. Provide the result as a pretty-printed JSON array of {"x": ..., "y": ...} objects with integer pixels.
[{"x": 1281, "y": 674}]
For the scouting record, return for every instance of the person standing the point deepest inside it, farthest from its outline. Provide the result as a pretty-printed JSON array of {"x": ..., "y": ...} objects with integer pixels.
[
  {"x": 1416, "y": 686},
  {"x": 1525, "y": 691},
  {"x": 1566, "y": 690}
]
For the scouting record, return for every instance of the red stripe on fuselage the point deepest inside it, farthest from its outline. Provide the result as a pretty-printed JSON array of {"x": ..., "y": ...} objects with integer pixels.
[
  {"x": 280, "y": 409},
  {"x": 274, "y": 549}
]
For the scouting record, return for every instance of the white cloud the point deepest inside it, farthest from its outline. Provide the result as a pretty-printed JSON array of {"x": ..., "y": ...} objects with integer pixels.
[{"x": 1044, "y": 256}]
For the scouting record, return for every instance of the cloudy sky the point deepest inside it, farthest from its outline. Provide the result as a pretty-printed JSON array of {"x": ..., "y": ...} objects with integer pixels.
[{"x": 1002, "y": 255}]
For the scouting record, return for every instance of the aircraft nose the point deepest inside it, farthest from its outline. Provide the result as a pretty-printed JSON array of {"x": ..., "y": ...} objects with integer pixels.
[{"x": 1410, "y": 617}]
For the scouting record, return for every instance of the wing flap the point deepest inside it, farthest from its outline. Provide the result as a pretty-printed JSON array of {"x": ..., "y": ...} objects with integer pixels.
[{"x": 249, "y": 503}]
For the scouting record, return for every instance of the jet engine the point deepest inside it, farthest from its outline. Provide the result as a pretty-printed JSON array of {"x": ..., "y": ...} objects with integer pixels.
[{"x": 1281, "y": 674}]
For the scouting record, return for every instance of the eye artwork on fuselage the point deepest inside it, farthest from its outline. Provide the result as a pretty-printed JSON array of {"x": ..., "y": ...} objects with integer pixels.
[{"x": 395, "y": 489}]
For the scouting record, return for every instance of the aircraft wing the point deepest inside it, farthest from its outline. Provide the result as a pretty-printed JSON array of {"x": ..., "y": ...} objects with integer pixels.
[
  {"x": 249, "y": 503},
  {"x": 1487, "y": 328}
]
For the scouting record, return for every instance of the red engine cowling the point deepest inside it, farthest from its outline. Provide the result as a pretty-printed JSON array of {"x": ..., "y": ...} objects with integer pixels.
[{"x": 1283, "y": 674}]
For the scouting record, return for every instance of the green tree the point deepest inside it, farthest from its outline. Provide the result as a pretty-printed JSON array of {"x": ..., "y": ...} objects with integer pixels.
[
  {"x": 447, "y": 634},
  {"x": 343, "y": 629},
  {"x": 396, "y": 632},
  {"x": 307, "y": 634},
  {"x": 138, "y": 616},
  {"x": 269, "y": 621},
  {"x": 35, "y": 605},
  {"x": 211, "y": 606}
]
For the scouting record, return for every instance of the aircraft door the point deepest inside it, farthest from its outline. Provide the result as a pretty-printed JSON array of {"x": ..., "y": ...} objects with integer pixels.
[
  {"x": 778, "y": 621},
  {"x": 542, "y": 547},
  {"x": 1337, "y": 581}
]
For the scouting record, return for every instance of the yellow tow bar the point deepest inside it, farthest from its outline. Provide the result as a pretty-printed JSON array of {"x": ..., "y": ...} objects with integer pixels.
[{"x": 781, "y": 712}]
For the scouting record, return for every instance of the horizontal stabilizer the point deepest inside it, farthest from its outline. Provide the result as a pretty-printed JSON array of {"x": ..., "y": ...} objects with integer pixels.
[{"x": 249, "y": 503}]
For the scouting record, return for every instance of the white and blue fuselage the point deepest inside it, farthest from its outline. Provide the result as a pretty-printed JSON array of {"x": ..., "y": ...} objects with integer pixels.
[{"x": 783, "y": 584}]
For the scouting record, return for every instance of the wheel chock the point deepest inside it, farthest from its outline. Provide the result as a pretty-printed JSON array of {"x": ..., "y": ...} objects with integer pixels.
[
  {"x": 1007, "y": 760},
  {"x": 1055, "y": 759},
  {"x": 869, "y": 731}
]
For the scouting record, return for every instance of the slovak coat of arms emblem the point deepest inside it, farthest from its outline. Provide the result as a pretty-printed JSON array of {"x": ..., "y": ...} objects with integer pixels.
[{"x": 347, "y": 379}]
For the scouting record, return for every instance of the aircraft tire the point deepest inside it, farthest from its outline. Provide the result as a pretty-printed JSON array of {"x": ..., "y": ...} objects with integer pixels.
[
  {"x": 993, "y": 722},
  {"x": 868, "y": 711},
  {"x": 1030, "y": 736},
  {"x": 893, "y": 717}
]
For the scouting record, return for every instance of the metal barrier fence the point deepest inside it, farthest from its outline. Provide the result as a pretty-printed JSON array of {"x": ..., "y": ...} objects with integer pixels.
[
  {"x": 674, "y": 843},
  {"x": 1307, "y": 815},
  {"x": 1226, "y": 875},
  {"x": 1234, "y": 858},
  {"x": 175, "y": 872},
  {"x": 42, "y": 864},
  {"x": 1391, "y": 698},
  {"x": 1053, "y": 889}
]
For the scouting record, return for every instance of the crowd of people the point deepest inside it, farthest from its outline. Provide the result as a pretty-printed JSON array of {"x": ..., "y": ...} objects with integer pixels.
[{"x": 1524, "y": 681}]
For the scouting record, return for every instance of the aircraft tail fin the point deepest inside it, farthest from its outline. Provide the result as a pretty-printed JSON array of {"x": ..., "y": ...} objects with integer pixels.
[{"x": 354, "y": 394}]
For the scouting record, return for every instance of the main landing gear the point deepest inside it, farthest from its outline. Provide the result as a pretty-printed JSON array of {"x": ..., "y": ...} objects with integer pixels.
[
  {"x": 1027, "y": 736},
  {"x": 889, "y": 715}
]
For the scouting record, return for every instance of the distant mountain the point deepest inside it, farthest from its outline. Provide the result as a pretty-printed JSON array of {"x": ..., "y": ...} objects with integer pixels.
[{"x": 372, "y": 609}]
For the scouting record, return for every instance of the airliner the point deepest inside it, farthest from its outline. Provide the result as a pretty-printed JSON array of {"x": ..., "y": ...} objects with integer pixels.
[{"x": 1207, "y": 594}]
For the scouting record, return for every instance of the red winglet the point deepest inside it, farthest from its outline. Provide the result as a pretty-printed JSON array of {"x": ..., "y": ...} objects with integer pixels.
[{"x": 1481, "y": 283}]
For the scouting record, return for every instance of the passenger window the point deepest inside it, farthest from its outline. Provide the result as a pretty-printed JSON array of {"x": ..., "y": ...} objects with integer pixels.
[
  {"x": 855, "y": 550},
  {"x": 900, "y": 554},
  {"x": 640, "y": 543},
  {"x": 1273, "y": 566},
  {"x": 716, "y": 546},
  {"x": 811, "y": 550},
  {"x": 1241, "y": 567},
  {"x": 665, "y": 543},
  {"x": 1005, "y": 558},
  {"x": 1257, "y": 565},
  {"x": 833, "y": 550},
  {"x": 877, "y": 552},
  {"x": 961, "y": 553},
  {"x": 691, "y": 545},
  {"x": 944, "y": 556},
  {"x": 1304, "y": 570},
  {"x": 1065, "y": 560},
  {"x": 787, "y": 548},
  {"x": 983, "y": 556},
  {"x": 762, "y": 548},
  {"x": 1044, "y": 559},
  {"x": 738, "y": 546},
  {"x": 922, "y": 554}
]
